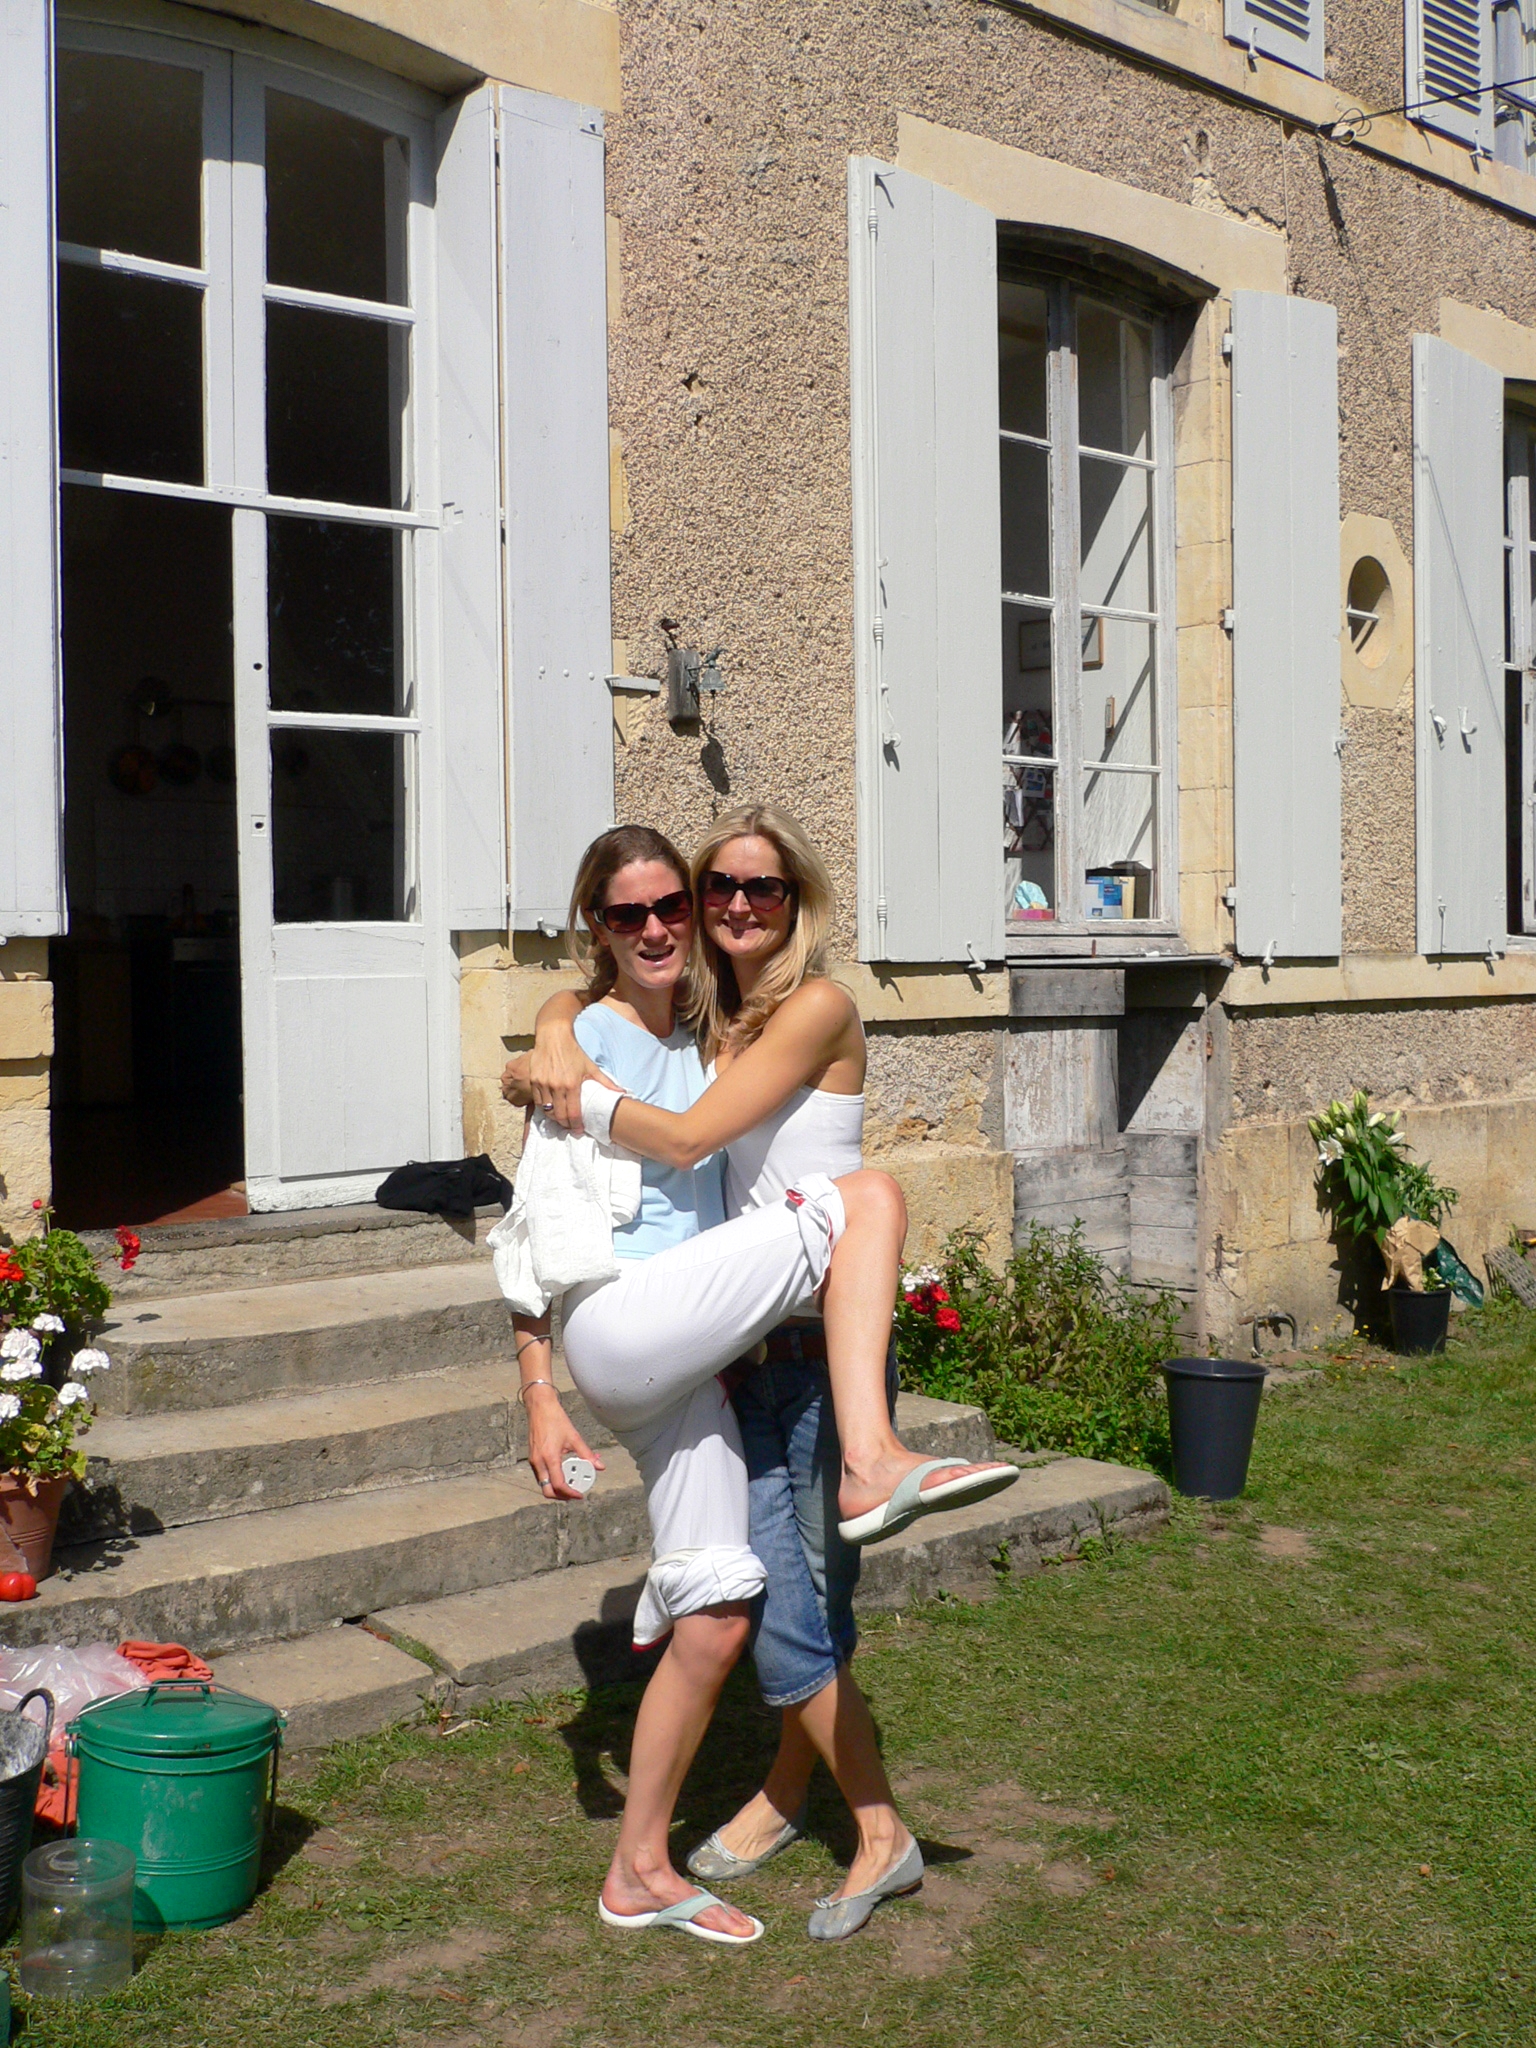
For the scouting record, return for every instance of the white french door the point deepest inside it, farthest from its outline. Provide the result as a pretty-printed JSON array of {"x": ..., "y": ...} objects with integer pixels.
[{"x": 284, "y": 276}]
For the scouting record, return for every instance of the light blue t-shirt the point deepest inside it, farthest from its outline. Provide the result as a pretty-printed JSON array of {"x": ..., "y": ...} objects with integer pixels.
[{"x": 676, "y": 1202}]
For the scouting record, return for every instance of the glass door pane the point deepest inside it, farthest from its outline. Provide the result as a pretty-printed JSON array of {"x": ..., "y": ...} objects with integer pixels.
[
  {"x": 342, "y": 837},
  {"x": 130, "y": 156}
]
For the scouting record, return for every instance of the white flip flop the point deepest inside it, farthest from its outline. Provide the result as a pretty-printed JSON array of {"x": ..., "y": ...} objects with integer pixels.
[
  {"x": 911, "y": 1499},
  {"x": 684, "y": 1917}
]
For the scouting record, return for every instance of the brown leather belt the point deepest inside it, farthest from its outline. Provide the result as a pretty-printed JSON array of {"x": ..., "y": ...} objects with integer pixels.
[
  {"x": 794, "y": 1343},
  {"x": 789, "y": 1344}
]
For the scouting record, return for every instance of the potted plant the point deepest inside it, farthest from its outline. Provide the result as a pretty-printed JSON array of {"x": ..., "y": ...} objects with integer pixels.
[
  {"x": 51, "y": 1295},
  {"x": 1369, "y": 1184}
]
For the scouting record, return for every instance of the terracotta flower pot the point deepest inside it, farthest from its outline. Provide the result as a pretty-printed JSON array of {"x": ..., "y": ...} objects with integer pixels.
[{"x": 30, "y": 1519}]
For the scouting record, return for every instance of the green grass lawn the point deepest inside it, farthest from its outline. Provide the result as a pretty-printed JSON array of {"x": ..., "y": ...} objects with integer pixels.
[{"x": 1265, "y": 1778}]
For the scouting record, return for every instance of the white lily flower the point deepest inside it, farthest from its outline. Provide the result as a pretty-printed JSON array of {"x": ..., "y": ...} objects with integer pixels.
[
  {"x": 89, "y": 1362},
  {"x": 71, "y": 1394},
  {"x": 1330, "y": 1152},
  {"x": 19, "y": 1344},
  {"x": 10, "y": 1407},
  {"x": 50, "y": 1326},
  {"x": 21, "y": 1369}
]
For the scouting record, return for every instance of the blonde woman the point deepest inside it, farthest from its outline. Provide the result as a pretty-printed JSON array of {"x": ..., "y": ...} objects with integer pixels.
[
  {"x": 788, "y": 1047},
  {"x": 645, "y": 1349}
]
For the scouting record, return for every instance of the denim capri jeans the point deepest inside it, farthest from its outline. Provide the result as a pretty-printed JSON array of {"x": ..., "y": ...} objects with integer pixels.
[{"x": 803, "y": 1626}]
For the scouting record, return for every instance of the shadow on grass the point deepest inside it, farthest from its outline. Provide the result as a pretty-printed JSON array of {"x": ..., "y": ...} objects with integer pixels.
[{"x": 732, "y": 1763}]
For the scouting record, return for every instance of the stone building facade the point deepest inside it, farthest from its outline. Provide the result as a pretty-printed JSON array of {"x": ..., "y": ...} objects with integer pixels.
[{"x": 1241, "y": 820}]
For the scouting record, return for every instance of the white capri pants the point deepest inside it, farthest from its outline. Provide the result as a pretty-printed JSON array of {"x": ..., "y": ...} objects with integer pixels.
[{"x": 644, "y": 1350}]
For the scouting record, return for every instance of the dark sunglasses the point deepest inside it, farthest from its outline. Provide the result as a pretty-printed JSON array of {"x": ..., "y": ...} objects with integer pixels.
[
  {"x": 629, "y": 918},
  {"x": 763, "y": 892}
]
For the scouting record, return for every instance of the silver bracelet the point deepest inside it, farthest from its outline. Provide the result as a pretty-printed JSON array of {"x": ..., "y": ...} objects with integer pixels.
[{"x": 523, "y": 1389}]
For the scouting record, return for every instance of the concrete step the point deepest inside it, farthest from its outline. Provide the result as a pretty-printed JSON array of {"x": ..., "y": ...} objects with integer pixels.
[
  {"x": 154, "y": 1472},
  {"x": 277, "y": 1571},
  {"x": 339, "y": 1683},
  {"x": 302, "y": 1244},
  {"x": 219, "y": 1586},
  {"x": 571, "y": 1628},
  {"x": 189, "y": 1351}
]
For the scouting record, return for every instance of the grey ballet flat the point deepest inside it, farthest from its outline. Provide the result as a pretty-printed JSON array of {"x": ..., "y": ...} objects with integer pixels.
[
  {"x": 836, "y": 1919},
  {"x": 714, "y": 1863}
]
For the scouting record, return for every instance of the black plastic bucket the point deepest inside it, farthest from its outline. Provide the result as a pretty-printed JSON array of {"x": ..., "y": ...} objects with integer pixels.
[
  {"x": 23, "y": 1747},
  {"x": 1419, "y": 1321},
  {"x": 1213, "y": 1409}
]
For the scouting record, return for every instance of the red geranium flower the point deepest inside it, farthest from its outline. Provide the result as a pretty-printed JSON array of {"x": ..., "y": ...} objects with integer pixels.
[
  {"x": 913, "y": 1300},
  {"x": 9, "y": 1270},
  {"x": 128, "y": 1247},
  {"x": 948, "y": 1319},
  {"x": 938, "y": 1293}
]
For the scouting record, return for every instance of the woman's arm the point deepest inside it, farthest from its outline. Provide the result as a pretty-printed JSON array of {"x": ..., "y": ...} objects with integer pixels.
[
  {"x": 557, "y": 1066},
  {"x": 799, "y": 1040},
  {"x": 551, "y": 1075},
  {"x": 552, "y": 1436}
]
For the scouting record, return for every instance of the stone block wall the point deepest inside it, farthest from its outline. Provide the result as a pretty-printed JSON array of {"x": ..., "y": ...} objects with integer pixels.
[{"x": 26, "y": 1047}]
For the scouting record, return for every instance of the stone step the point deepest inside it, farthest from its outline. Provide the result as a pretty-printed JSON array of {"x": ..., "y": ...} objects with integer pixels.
[
  {"x": 339, "y": 1683},
  {"x": 189, "y": 1351},
  {"x": 154, "y": 1472},
  {"x": 302, "y": 1244},
  {"x": 218, "y": 1586},
  {"x": 571, "y": 1628}
]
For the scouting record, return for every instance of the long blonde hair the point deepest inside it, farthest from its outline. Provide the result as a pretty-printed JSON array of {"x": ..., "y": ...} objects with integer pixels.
[
  {"x": 610, "y": 852},
  {"x": 716, "y": 1010}
]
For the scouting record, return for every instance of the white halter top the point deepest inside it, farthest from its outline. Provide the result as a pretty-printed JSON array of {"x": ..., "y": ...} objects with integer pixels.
[{"x": 815, "y": 1132}]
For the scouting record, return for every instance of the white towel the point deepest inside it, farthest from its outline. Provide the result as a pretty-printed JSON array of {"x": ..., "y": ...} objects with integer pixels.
[{"x": 569, "y": 1194}]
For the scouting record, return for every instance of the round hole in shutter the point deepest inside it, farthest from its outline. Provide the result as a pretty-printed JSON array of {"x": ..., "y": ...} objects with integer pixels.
[{"x": 1369, "y": 612}]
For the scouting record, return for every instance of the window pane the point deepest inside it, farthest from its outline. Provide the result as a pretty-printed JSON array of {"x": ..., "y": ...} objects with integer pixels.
[
  {"x": 1117, "y": 535},
  {"x": 1119, "y": 845},
  {"x": 333, "y": 617},
  {"x": 130, "y": 375},
  {"x": 1118, "y": 693},
  {"x": 336, "y": 194},
  {"x": 149, "y": 716},
  {"x": 130, "y": 145},
  {"x": 1026, "y": 494},
  {"x": 1114, "y": 381},
  {"x": 340, "y": 838},
  {"x": 1029, "y": 845},
  {"x": 335, "y": 395},
  {"x": 1022, "y": 358},
  {"x": 1027, "y": 696}
]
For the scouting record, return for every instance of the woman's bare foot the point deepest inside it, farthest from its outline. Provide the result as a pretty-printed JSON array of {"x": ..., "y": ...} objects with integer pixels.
[
  {"x": 753, "y": 1831},
  {"x": 870, "y": 1485},
  {"x": 630, "y": 1891},
  {"x": 883, "y": 1841}
]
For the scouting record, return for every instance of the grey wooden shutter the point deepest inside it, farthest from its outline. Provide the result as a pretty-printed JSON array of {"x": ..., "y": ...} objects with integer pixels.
[
  {"x": 31, "y": 878},
  {"x": 923, "y": 282},
  {"x": 474, "y": 757},
  {"x": 1448, "y": 46},
  {"x": 1458, "y": 688},
  {"x": 555, "y": 421},
  {"x": 1290, "y": 31},
  {"x": 1285, "y": 639}
]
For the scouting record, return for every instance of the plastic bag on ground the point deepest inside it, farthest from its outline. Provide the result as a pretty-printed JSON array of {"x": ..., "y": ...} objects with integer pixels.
[{"x": 75, "y": 1678}]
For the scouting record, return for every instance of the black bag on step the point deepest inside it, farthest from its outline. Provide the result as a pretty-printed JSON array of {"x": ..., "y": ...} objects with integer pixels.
[{"x": 445, "y": 1187}]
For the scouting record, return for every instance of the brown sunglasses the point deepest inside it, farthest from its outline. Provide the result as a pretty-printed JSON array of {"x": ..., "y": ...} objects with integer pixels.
[{"x": 628, "y": 918}]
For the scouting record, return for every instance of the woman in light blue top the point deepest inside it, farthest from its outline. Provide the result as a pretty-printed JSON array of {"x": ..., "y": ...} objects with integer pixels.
[{"x": 644, "y": 1349}]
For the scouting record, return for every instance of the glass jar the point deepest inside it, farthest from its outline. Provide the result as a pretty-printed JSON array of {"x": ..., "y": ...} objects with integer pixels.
[{"x": 76, "y": 1919}]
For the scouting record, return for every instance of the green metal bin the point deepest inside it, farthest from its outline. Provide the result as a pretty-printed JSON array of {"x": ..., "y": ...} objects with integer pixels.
[{"x": 184, "y": 1774}]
